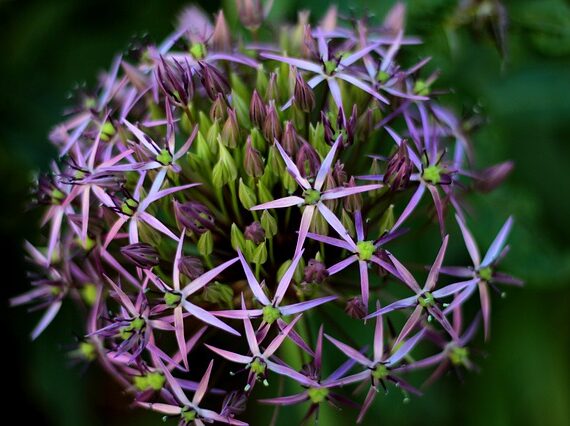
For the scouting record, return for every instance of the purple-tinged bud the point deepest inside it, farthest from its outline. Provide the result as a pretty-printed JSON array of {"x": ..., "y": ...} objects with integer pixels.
[
  {"x": 221, "y": 38},
  {"x": 218, "y": 108},
  {"x": 304, "y": 96},
  {"x": 191, "y": 266},
  {"x": 252, "y": 161},
  {"x": 272, "y": 88},
  {"x": 213, "y": 80},
  {"x": 250, "y": 13},
  {"x": 47, "y": 191},
  {"x": 394, "y": 20},
  {"x": 339, "y": 174},
  {"x": 175, "y": 80},
  {"x": 308, "y": 161},
  {"x": 272, "y": 125},
  {"x": 353, "y": 202},
  {"x": 290, "y": 140},
  {"x": 329, "y": 130},
  {"x": 399, "y": 169},
  {"x": 230, "y": 131},
  {"x": 193, "y": 216},
  {"x": 365, "y": 124},
  {"x": 309, "y": 44},
  {"x": 315, "y": 272},
  {"x": 491, "y": 177},
  {"x": 257, "y": 110},
  {"x": 350, "y": 127},
  {"x": 255, "y": 233},
  {"x": 355, "y": 308},
  {"x": 142, "y": 255}
]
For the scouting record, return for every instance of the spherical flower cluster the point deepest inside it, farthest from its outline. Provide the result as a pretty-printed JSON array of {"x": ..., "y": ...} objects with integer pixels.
[{"x": 235, "y": 201}]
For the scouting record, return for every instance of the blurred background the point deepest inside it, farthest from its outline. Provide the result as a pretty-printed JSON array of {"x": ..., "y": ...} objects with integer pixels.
[{"x": 51, "y": 46}]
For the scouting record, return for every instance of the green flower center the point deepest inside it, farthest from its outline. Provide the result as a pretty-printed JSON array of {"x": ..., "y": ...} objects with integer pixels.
[
  {"x": 172, "y": 299},
  {"x": 107, "y": 131},
  {"x": 129, "y": 206},
  {"x": 432, "y": 174},
  {"x": 312, "y": 196},
  {"x": 164, "y": 158},
  {"x": 458, "y": 355},
  {"x": 257, "y": 367},
  {"x": 365, "y": 250},
  {"x": 426, "y": 299},
  {"x": 188, "y": 414},
  {"x": 382, "y": 76},
  {"x": 317, "y": 395},
  {"x": 271, "y": 314},
  {"x": 380, "y": 372},
  {"x": 89, "y": 294},
  {"x": 57, "y": 196},
  {"x": 485, "y": 273},
  {"x": 422, "y": 88},
  {"x": 136, "y": 325},
  {"x": 198, "y": 50},
  {"x": 152, "y": 381},
  {"x": 88, "y": 351},
  {"x": 330, "y": 67}
]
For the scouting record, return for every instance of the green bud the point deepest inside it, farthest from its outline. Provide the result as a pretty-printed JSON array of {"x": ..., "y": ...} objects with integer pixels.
[
  {"x": 289, "y": 182},
  {"x": 260, "y": 254},
  {"x": 198, "y": 50},
  {"x": 347, "y": 222},
  {"x": 212, "y": 137},
  {"x": 219, "y": 294},
  {"x": 89, "y": 294},
  {"x": 261, "y": 80},
  {"x": 318, "y": 395},
  {"x": 264, "y": 194},
  {"x": 236, "y": 238},
  {"x": 242, "y": 109},
  {"x": 432, "y": 174},
  {"x": 204, "y": 122},
  {"x": 271, "y": 314},
  {"x": 365, "y": 249},
  {"x": 269, "y": 224},
  {"x": 206, "y": 243},
  {"x": 107, "y": 131},
  {"x": 225, "y": 170},
  {"x": 172, "y": 299},
  {"x": 246, "y": 195},
  {"x": 387, "y": 220},
  {"x": 88, "y": 351}
]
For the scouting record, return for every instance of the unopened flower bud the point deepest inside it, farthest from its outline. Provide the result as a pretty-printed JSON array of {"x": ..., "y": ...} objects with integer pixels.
[
  {"x": 175, "y": 80},
  {"x": 308, "y": 161},
  {"x": 230, "y": 131},
  {"x": 252, "y": 161},
  {"x": 255, "y": 233},
  {"x": 315, "y": 272},
  {"x": 399, "y": 168},
  {"x": 218, "y": 108},
  {"x": 225, "y": 170},
  {"x": 257, "y": 110},
  {"x": 246, "y": 195},
  {"x": 353, "y": 202},
  {"x": 272, "y": 125},
  {"x": 339, "y": 174},
  {"x": 355, "y": 308},
  {"x": 304, "y": 96},
  {"x": 193, "y": 216},
  {"x": 221, "y": 38},
  {"x": 213, "y": 80},
  {"x": 290, "y": 140},
  {"x": 191, "y": 267},
  {"x": 272, "y": 88},
  {"x": 250, "y": 13},
  {"x": 142, "y": 255}
]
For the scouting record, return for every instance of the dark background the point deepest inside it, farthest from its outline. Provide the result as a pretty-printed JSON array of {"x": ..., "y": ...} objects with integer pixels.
[{"x": 47, "y": 46}]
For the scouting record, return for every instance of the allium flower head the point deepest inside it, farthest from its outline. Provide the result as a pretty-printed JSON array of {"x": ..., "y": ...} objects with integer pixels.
[{"x": 240, "y": 195}]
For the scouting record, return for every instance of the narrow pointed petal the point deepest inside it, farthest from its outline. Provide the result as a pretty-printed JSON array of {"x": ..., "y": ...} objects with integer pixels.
[
  {"x": 292, "y": 168},
  {"x": 410, "y": 324},
  {"x": 498, "y": 243},
  {"x": 289, "y": 372},
  {"x": 290, "y": 201},
  {"x": 363, "y": 86},
  {"x": 252, "y": 282},
  {"x": 47, "y": 318},
  {"x": 405, "y": 348},
  {"x": 379, "y": 337},
  {"x": 413, "y": 203},
  {"x": 230, "y": 356},
  {"x": 434, "y": 271},
  {"x": 287, "y": 277},
  {"x": 333, "y": 221},
  {"x": 366, "y": 405},
  {"x": 205, "y": 278},
  {"x": 337, "y": 242},
  {"x": 207, "y": 317},
  {"x": 400, "y": 304},
  {"x": 450, "y": 289},
  {"x": 156, "y": 224},
  {"x": 326, "y": 165},
  {"x": 340, "y": 192},
  {"x": 485, "y": 308},
  {"x": 343, "y": 264},
  {"x": 406, "y": 276},
  {"x": 304, "y": 226},
  {"x": 286, "y": 400},
  {"x": 305, "y": 306},
  {"x": 350, "y": 352},
  {"x": 203, "y": 386},
  {"x": 124, "y": 299},
  {"x": 363, "y": 266},
  {"x": 179, "y": 331},
  {"x": 469, "y": 242},
  {"x": 276, "y": 342},
  {"x": 299, "y": 63},
  {"x": 335, "y": 91}
]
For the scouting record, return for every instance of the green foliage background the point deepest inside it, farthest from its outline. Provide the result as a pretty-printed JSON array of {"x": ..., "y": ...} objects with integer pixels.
[{"x": 49, "y": 44}]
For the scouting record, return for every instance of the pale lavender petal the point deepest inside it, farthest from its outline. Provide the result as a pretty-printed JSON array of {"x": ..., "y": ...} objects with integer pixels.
[
  {"x": 286, "y": 400},
  {"x": 305, "y": 306},
  {"x": 453, "y": 288},
  {"x": 276, "y": 342},
  {"x": 350, "y": 352},
  {"x": 405, "y": 348},
  {"x": 414, "y": 201},
  {"x": 335, "y": 91},
  {"x": 125, "y": 300},
  {"x": 326, "y": 165},
  {"x": 252, "y": 282},
  {"x": 342, "y": 264},
  {"x": 203, "y": 386},
  {"x": 379, "y": 336},
  {"x": 289, "y": 372},
  {"x": 205, "y": 278},
  {"x": 434, "y": 271},
  {"x": 498, "y": 243},
  {"x": 503, "y": 278},
  {"x": 230, "y": 356},
  {"x": 290, "y": 201},
  {"x": 340, "y": 192},
  {"x": 299, "y": 63},
  {"x": 169, "y": 410},
  {"x": 333, "y": 221},
  {"x": 306, "y": 219},
  {"x": 366, "y": 404},
  {"x": 207, "y": 317},
  {"x": 47, "y": 318},
  {"x": 156, "y": 224},
  {"x": 287, "y": 277},
  {"x": 351, "y": 59},
  {"x": 179, "y": 331},
  {"x": 410, "y": 324},
  {"x": 239, "y": 313},
  {"x": 359, "y": 225},
  {"x": 400, "y": 304},
  {"x": 337, "y": 242},
  {"x": 457, "y": 271},
  {"x": 362, "y": 85},
  {"x": 469, "y": 242},
  {"x": 363, "y": 266},
  {"x": 165, "y": 192},
  {"x": 406, "y": 276}
]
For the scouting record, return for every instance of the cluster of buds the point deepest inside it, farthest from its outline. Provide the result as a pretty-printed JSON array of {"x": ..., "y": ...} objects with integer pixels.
[{"x": 217, "y": 200}]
